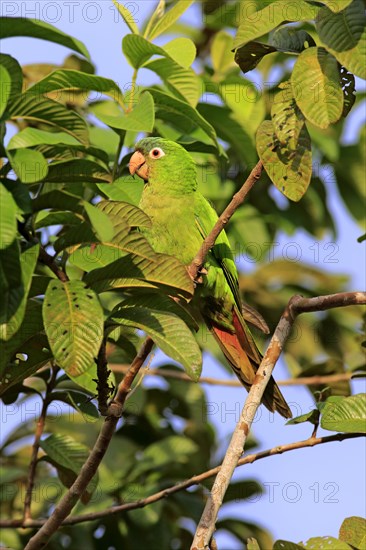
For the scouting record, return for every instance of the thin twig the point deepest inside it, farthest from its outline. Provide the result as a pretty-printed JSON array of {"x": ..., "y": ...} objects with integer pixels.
[
  {"x": 231, "y": 383},
  {"x": 194, "y": 480},
  {"x": 295, "y": 307},
  {"x": 88, "y": 470},
  {"x": 49, "y": 261},
  {"x": 43, "y": 255},
  {"x": 35, "y": 447},
  {"x": 235, "y": 202}
]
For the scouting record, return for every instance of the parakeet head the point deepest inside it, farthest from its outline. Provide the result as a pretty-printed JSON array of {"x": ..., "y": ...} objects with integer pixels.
[{"x": 164, "y": 164}]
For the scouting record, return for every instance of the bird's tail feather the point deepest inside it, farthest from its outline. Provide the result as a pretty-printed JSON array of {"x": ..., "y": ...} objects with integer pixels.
[{"x": 244, "y": 357}]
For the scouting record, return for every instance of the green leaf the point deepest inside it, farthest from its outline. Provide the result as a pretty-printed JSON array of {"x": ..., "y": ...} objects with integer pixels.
[
  {"x": 324, "y": 543},
  {"x": 168, "y": 107},
  {"x": 287, "y": 118},
  {"x": 5, "y": 89},
  {"x": 124, "y": 213},
  {"x": 47, "y": 111},
  {"x": 168, "y": 331},
  {"x": 243, "y": 529},
  {"x": 252, "y": 544},
  {"x": 140, "y": 268},
  {"x": 60, "y": 200},
  {"x": 73, "y": 319},
  {"x": 100, "y": 222},
  {"x": 182, "y": 82},
  {"x": 249, "y": 55},
  {"x": 34, "y": 28},
  {"x": 8, "y": 217},
  {"x": 344, "y": 35},
  {"x": 124, "y": 216},
  {"x": 15, "y": 279},
  {"x": 64, "y": 79},
  {"x": 68, "y": 456},
  {"x": 162, "y": 303},
  {"x": 39, "y": 285},
  {"x": 353, "y": 531},
  {"x": 242, "y": 97},
  {"x": 242, "y": 490},
  {"x": 289, "y": 170},
  {"x": 30, "y": 166},
  {"x": 56, "y": 145},
  {"x": 221, "y": 56},
  {"x": 26, "y": 340},
  {"x": 78, "y": 401},
  {"x": 11, "y": 81},
  {"x": 76, "y": 170},
  {"x": 345, "y": 415},
  {"x": 89, "y": 258},
  {"x": 140, "y": 119},
  {"x": 138, "y": 50},
  {"x": 337, "y": 5},
  {"x": 350, "y": 177},
  {"x": 126, "y": 189},
  {"x": 286, "y": 545},
  {"x": 256, "y": 23},
  {"x": 316, "y": 87},
  {"x": 105, "y": 139},
  {"x": 171, "y": 450},
  {"x": 126, "y": 16},
  {"x": 311, "y": 416},
  {"x": 288, "y": 39},
  {"x": 80, "y": 234},
  {"x": 33, "y": 356},
  {"x": 228, "y": 128},
  {"x": 146, "y": 518},
  {"x": 182, "y": 50},
  {"x": 20, "y": 195},
  {"x": 31, "y": 137},
  {"x": 169, "y": 18}
]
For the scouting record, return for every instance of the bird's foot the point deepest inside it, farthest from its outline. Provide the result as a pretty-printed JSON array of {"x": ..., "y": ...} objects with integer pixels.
[{"x": 197, "y": 277}]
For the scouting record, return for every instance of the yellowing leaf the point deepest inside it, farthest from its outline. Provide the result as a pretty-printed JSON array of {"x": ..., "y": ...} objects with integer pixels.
[
  {"x": 289, "y": 170},
  {"x": 316, "y": 87},
  {"x": 73, "y": 320}
]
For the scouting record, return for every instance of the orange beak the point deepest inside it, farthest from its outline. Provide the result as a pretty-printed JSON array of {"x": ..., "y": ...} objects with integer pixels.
[{"x": 138, "y": 165}]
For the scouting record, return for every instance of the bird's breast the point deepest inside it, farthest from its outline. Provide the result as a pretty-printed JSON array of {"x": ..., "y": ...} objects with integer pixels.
[{"x": 173, "y": 228}]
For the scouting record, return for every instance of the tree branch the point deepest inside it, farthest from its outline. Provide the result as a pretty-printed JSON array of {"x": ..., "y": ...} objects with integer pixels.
[
  {"x": 295, "y": 307},
  {"x": 43, "y": 255},
  {"x": 35, "y": 447},
  {"x": 231, "y": 383},
  {"x": 235, "y": 202},
  {"x": 194, "y": 480},
  {"x": 87, "y": 472},
  {"x": 49, "y": 261}
]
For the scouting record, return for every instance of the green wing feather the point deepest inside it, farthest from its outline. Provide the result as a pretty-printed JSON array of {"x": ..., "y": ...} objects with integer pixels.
[{"x": 206, "y": 218}]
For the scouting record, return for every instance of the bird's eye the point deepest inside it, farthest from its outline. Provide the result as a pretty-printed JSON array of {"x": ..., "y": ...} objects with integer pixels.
[{"x": 156, "y": 153}]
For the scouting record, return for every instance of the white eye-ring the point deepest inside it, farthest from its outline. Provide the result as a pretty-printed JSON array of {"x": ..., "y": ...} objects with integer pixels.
[{"x": 156, "y": 153}]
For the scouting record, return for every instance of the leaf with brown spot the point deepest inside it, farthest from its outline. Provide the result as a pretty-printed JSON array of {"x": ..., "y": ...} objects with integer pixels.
[
  {"x": 290, "y": 170},
  {"x": 73, "y": 320}
]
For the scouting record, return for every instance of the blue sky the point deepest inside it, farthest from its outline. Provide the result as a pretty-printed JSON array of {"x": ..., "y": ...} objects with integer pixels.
[{"x": 307, "y": 492}]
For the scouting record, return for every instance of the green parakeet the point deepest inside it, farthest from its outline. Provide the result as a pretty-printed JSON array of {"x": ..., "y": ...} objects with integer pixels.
[{"x": 181, "y": 218}]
